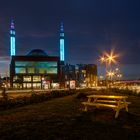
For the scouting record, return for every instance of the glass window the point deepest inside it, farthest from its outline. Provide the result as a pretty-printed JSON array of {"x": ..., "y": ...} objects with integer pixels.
[
  {"x": 15, "y": 78},
  {"x": 20, "y": 70},
  {"x": 28, "y": 85},
  {"x": 24, "y": 85},
  {"x": 42, "y": 70},
  {"x": 27, "y": 78},
  {"x": 52, "y": 70},
  {"x": 31, "y": 70},
  {"x": 20, "y": 63},
  {"x": 36, "y": 67},
  {"x": 16, "y": 85},
  {"x": 36, "y": 78},
  {"x": 36, "y": 85}
]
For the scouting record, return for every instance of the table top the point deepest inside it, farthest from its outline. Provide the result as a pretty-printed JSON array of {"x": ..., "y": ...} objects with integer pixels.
[{"x": 107, "y": 96}]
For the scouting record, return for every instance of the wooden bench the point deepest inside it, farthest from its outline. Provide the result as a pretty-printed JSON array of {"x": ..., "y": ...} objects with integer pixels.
[{"x": 114, "y": 102}]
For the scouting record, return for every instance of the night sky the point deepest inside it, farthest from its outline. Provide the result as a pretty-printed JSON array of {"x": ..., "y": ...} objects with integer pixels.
[{"x": 91, "y": 27}]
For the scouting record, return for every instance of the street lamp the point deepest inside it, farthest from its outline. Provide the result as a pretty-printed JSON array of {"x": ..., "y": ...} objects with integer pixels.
[
  {"x": 111, "y": 57},
  {"x": 110, "y": 74},
  {"x": 102, "y": 59},
  {"x": 108, "y": 59}
]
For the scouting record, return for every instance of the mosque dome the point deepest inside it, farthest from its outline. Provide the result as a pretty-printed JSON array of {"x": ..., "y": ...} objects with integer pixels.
[{"x": 37, "y": 52}]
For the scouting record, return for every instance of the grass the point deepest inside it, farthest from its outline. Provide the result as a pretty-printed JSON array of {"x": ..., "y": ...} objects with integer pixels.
[{"x": 63, "y": 119}]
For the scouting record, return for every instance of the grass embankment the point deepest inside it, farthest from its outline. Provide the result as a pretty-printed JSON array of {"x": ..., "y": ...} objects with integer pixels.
[{"x": 63, "y": 118}]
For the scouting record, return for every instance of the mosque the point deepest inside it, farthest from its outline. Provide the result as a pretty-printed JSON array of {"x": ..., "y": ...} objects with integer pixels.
[{"x": 38, "y": 70}]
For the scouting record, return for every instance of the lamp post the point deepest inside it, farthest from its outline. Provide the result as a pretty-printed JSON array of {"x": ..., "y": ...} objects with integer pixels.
[{"x": 108, "y": 59}]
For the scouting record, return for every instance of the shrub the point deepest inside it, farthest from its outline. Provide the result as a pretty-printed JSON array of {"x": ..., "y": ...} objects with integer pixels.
[
  {"x": 4, "y": 94},
  {"x": 81, "y": 95},
  {"x": 34, "y": 98}
]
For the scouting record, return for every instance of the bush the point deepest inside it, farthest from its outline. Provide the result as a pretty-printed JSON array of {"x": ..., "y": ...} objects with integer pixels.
[
  {"x": 34, "y": 98},
  {"x": 4, "y": 94},
  {"x": 81, "y": 95}
]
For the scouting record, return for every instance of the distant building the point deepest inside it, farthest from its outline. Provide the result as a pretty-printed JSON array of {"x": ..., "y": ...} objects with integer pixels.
[
  {"x": 36, "y": 70},
  {"x": 68, "y": 74},
  {"x": 86, "y": 75}
]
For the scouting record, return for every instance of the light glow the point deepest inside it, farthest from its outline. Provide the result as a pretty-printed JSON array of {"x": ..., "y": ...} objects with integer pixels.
[
  {"x": 110, "y": 73},
  {"x": 111, "y": 58},
  {"x": 102, "y": 59},
  {"x": 62, "y": 47},
  {"x": 12, "y": 39},
  {"x": 62, "y": 50}
]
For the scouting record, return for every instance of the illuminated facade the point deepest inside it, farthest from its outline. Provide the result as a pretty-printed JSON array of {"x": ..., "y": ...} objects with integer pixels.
[
  {"x": 12, "y": 39},
  {"x": 36, "y": 70},
  {"x": 86, "y": 75},
  {"x": 62, "y": 47}
]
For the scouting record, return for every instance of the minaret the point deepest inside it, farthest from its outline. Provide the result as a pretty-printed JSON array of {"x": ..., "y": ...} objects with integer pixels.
[
  {"x": 12, "y": 39},
  {"x": 62, "y": 48}
]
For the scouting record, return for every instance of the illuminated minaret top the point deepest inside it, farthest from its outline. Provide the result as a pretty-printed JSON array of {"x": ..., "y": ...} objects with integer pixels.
[
  {"x": 12, "y": 39},
  {"x": 62, "y": 48}
]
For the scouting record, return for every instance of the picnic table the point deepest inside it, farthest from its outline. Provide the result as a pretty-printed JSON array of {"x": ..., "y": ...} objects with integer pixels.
[{"x": 115, "y": 102}]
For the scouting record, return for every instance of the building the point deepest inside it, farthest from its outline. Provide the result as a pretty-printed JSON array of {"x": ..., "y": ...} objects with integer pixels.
[
  {"x": 36, "y": 70},
  {"x": 68, "y": 75},
  {"x": 91, "y": 75},
  {"x": 86, "y": 75},
  {"x": 82, "y": 75}
]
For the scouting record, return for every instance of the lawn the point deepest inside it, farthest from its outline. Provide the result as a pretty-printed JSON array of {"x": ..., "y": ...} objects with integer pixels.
[{"x": 63, "y": 119}]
